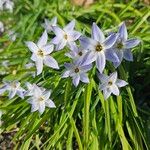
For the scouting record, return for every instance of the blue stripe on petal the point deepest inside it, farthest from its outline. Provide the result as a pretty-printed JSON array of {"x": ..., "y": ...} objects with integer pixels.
[
  {"x": 97, "y": 34},
  {"x": 128, "y": 55},
  {"x": 110, "y": 41},
  {"x": 131, "y": 43},
  {"x": 123, "y": 31}
]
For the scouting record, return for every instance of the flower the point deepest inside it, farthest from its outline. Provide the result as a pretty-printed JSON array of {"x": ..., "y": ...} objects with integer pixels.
[
  {"x": 66, "y": 36},
  {"x": 39, "y": 99},
  {"x": 49, "y": 24},
  {"x": 13, "y": 88},
  {"x": 41, "y": 52},
  {"x": 98, "y": 48},
  {"x": 7, "y": 4},
  {"x": 77, "y": 72},
  {"x": 123, "y": 46},
  {"x": 110, "y": 84},
  {"x": 1, "y": 27},
  {"x": 12, "y": 35},
  {"x": 30, "y": 89},
  {"x": 76, "y": 52}
]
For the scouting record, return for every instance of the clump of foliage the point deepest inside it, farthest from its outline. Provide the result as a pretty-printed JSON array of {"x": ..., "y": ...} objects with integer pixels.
[{"x": 82, "y": 119}]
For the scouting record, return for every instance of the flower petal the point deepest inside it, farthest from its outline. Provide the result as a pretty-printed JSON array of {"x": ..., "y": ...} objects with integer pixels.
[
  {"x": 120, "y": 57},
  {"x": 39, "y": 65},
  {"x": 58, "y": 31},
  {"x": 43, "y": 39},
  {"x": 37, "y": 91},
  {"x": 70, "y": 26},
  {"x": 41, "y": 107},
  {"x": 51, "y": 62},
  {"x": 86, "y": 68},
  {"x": 20, "y": 93},
  {"x": 48, "y": 48},
  {"x": 74, "y": 35},
  {"x": 66, "y": 74},
  {"x": 61, "y": 44},
  {"x": 76, "y": 80},
  {"x": 68, "y": 66},
  {"x": 32, "y": 46},
  {"x": 128, "y": 55},
  {"x": 87, "y": 43},
  {"x": 111, "y": 55},
  {"x": 131, "y": 43},
  {"x": 103, "y": 77},
  {"x": 88, "y": 58},
  {"x": 115, "y": 90},
  {"x": 84, "y": 78},
  {"x": 101, "y": 62},
  {"x": 54, "y": 21},
  {"x": 3, "y": 89},
  {"x": 113, "y": 77},
  {"x": 46, "y": 94},
  {"x": 49, "y": 103},
  {"x": 47, "y": 25},
  {"x": 121, "y": 83},
  {"x": 103, "y": 86},
  {"x": 97, "y": 34},
  {"x": 35, "y": 107},
  {"x": 123, "y": 31},
  {"x": 110, "y": 41},
  {"x": 12, "y": 93},
  {"x": 56, "y": 40},
  {"x": 106, "y": 93},
  {"x": 34, "y": 57}
]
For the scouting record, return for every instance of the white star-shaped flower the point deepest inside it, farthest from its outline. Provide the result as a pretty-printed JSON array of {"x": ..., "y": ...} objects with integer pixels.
[
  {"x": 13, "y": 88},
  {"x": 110, "y": 84},
  {"x": 41, "y": 52},
  {"x": 40, "y": 99},
  {"x": 49, "y": 24},
  {"x": 66, "y": 36}
]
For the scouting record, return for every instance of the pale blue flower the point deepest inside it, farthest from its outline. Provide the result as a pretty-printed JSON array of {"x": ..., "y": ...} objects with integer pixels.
[
  {"x": 77, "y": 72},
  {"x": 76, "y": 52},
  {"x": 12, "y": 35},
  {"x": 110, "y": 84},
  {"x": 49, "y": 24},
  {"x": 13, "y": 88},
  {"x": 123, "y": 45},
  {"x": 39, "y": 98},
  {"x": 1, "y": 27},
  {"x": 41, "y": 52},
  {"x": 98, "y": 48},
  {"x": 6, "y": 4},
  {"x": 66, "y": 36}
]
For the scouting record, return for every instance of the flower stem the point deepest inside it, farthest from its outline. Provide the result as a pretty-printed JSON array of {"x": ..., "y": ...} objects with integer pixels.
[
  {"x": 87, "y": 98},
  {"x": 124, "y": 76}
]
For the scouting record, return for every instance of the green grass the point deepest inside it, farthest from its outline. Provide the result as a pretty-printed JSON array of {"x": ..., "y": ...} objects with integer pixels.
[{"x": 82, "y": 119}]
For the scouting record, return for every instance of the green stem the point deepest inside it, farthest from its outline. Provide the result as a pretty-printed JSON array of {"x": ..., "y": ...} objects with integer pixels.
[
  {"x": 76, "y": 133},
  {"x": 87, "y": 98},
  {"x": 124, "y": 76}
]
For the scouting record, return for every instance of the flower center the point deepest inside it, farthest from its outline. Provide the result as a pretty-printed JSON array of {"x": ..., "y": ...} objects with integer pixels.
[
  {"x": 99, "y": 48},
  {"x": 110, "y": 83},
  {"x": 80, "y": 53},
  {"x": 13, "y": 85},
  {"x": 76, "y": 70},
  {"x": 40, "y": 53},
  {"x": 41, "y": 98},
  {"x": 65, "y": 36},
  {"x": 119, "y": 45}
]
